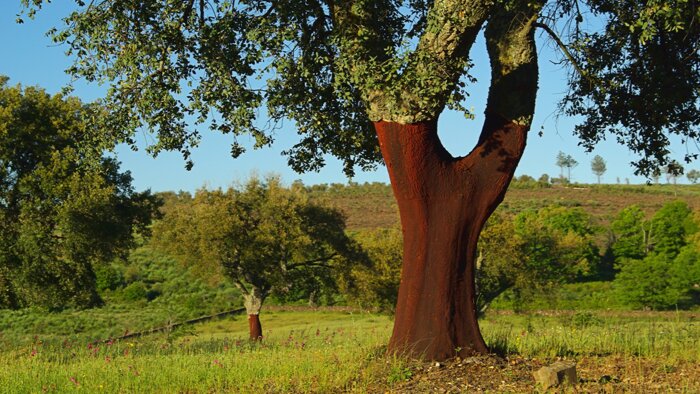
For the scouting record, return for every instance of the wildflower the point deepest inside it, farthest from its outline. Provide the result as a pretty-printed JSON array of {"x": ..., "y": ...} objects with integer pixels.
[
  {"x": 74, "y": 380},
  {"x": 134, "y": 370},
  {"x": 218, "y": 363},
  {"x": 107, "y": 359}
]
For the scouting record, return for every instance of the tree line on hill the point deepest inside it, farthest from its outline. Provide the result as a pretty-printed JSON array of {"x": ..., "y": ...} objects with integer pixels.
[{"x": 672, "y": 170}]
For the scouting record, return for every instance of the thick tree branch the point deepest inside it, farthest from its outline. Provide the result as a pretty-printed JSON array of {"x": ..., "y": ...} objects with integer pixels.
[
  {"x": 434, "y": 68},
  {"x": 443, "y": 49},
  {"x": 487, "y": 298},
  {"x": 510, "y": 42},
  {"x": 239, "y": 284}
]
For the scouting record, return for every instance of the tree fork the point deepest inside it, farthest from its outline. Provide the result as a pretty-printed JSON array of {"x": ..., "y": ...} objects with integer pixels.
[{"x": 444, "y": 203}]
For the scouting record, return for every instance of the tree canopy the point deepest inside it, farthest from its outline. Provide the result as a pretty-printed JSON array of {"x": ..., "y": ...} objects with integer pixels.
[
  {"x": 662, "y": 272},
  {"x": 64, "y": 207},
  {"x": 265, "y": 238},
  {"x": 331, "y": 67},
  {"x": 535, "y": 250}
]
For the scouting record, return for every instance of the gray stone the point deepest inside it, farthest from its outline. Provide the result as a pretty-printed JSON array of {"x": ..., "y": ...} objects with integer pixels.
[{"x": 561, "y": 372}]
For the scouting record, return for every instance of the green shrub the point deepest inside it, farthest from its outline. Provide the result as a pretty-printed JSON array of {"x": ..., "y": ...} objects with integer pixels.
[
  {"x": 135, "y": 292},
  {"x": 108, "y": 277}
]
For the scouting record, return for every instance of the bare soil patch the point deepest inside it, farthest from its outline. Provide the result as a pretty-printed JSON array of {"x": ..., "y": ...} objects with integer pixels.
[{"x": 493, "y": 374}]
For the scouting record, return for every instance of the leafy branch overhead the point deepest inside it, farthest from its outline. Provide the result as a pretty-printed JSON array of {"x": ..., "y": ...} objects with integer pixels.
[{"x": 332, "y": 67}]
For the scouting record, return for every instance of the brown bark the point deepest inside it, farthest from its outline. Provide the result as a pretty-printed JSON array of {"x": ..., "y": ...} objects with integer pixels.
[
  {"x": 444, "y": 203},
  {"x": 254, "y": 327},
  {"x": 253, "y": 303}
]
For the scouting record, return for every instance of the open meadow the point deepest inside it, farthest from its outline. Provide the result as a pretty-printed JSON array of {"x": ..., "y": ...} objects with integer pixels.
[
  {"x": 336, "y": 350},
  {"x": 343, "y": 348}
]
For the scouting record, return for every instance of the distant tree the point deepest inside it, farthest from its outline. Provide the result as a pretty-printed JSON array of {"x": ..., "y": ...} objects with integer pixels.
[
  {"x": 525, "y": 178},
  {"x": 598, "y": 166},
  {"x": 693, "y": 176},
  {"x": 377, "y": 284},
  {"x": 666, "y": 274},
  {"x": 544, "y": 179},
  {"x": 630, "y": 234},
  {"x": 265, "y": 238},
  {"x": 672, "y": 171},
  {"x": 65, "y": 209},
  {"x": 535, "y": 250},
  {"x": 566, "y": 161}
]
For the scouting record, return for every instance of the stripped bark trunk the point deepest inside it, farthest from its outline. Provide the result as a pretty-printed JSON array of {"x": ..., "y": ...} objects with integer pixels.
[
  {"x": 253, "y": 301},
  {"x": 254, "y": 327},
  {"x": 444, "y": 203}
]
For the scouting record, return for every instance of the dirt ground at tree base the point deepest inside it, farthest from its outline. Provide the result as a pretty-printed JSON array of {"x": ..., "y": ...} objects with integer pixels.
[{"x": 596, "y": 374}]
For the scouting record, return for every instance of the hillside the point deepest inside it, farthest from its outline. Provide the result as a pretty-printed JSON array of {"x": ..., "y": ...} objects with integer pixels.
[{"x": 372, "y": 205}]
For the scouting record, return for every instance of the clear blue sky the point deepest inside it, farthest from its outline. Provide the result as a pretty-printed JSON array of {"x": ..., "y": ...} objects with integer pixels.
[{"x": 30, "y": 58}]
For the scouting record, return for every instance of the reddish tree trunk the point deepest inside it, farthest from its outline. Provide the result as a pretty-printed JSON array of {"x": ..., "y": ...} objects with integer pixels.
[
  {"x": 444, "y": 203},
  {"x": 254, "y": 327}
]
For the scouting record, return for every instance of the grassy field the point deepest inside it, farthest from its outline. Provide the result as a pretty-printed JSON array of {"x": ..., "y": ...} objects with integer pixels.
[{"x": 341, "y": 351}]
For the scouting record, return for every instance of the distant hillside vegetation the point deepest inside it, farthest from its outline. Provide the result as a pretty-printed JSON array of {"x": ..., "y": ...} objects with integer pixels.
[{"x": 372, "y": 205}]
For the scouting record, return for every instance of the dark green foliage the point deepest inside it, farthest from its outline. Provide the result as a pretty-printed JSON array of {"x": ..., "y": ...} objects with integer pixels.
[
  {"x": 639, "y": 76},
  {"x": 534, "y": 251},
  {"x": 377, "y": 284},
  {"x": 631, "y": 234},
  {"x": 64, "y": 207},
  {"x": 108, "y": 277},
  {"x": 671, "y": 225},
  {"x": 135, "y": 292},
  {"x": 657, "y": 282},
  {"x": 665, "y": 276},
  {"x": 261, "y": 236},
  {"x": 328, "y": 65}
]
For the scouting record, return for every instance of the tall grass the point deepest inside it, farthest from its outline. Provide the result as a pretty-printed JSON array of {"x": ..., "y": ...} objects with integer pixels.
[
  {"x": 317, "y": 352},
  {"x": 669, "y": 336},
  {"x": 303, "y": 352}
]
